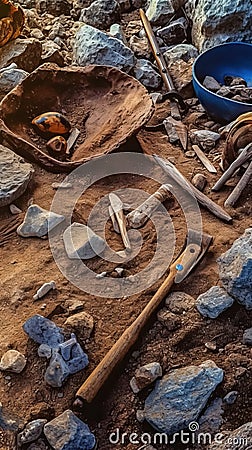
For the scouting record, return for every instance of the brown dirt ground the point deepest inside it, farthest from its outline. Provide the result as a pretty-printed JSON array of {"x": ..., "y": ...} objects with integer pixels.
[{"x": 27, "y": 263}]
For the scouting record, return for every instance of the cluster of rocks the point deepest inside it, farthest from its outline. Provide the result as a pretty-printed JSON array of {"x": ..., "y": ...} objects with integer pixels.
[
  {"x": 65, "y": 432},
  {"x": 234, "y": 88}
]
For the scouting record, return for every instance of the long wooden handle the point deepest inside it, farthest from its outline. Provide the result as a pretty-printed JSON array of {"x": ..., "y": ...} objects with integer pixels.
[{"x": 95, "y": 381}]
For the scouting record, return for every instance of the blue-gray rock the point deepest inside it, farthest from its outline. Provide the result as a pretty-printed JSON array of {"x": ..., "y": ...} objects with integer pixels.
[
  {"x": 81, "y": 242},
  {"x": 207, "y": 139},
  {"x": 159, "y": 12},
  {"x": 38, "y": 222},
  {"x": 10, "y": 78},
  {"x": 186, "y": 52},
  {"x": 101, "y": 13},
  {"x": 213, "y": 302},
  {"x": 235, "y": 269},
  {"x": 43, "y": 331},
  {"x": 180, "y": 396},
  {"x": 76, "y": 359},
  {"x": 15, "y": 175},
  {"x": 68, "y": 432},
  {"x": 239, "y": 439},
  {"x": 44, "y": 351},
  {"x": 175, "y": 32},
  {"x": 67, "y": 359},
  {"x": 57, "y": 371},
  {"x": 92, "y": 46},
  {"x": 247, "y": 337},
  {"x": 31, "y": 432},
  {"x": 211, "y": 420},
  {"x": 146, "y": 73},
  {"x": 216, "y": 23},
  {"x": 231, "y": 397}
]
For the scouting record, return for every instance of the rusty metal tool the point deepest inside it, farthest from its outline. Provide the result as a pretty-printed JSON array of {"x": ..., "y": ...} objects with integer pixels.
[
  {"x": 117, "y": 207},
  {"x": 175, "y": 98},
  {"x": 196, "y": 246}
]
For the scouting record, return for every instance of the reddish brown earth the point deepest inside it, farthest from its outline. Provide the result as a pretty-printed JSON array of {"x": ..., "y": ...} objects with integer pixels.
[{"x": 28, "y": 263}]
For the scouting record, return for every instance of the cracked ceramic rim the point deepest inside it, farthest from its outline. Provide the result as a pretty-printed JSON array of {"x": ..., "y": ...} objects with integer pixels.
[{"x": 76, "y": 270}]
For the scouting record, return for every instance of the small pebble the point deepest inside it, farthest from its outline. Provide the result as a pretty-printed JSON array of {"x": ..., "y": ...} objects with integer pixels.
[
  {"x": 101, "y": 275},
  {"x": 211, "y": 345},
  {"x": 231, "y": 397},
  {"x": 247, "y": 337},
  {"x": 199, "y": 181},
  {"x": 14, "y": 209},
  {"x": 190, "y": 154}
]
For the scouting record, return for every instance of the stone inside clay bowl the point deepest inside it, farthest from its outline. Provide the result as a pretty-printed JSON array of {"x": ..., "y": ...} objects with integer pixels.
[{"x": 105, "y": 104}]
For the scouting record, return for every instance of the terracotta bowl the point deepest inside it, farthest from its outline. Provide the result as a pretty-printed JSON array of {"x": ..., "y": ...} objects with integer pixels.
[{"x": 105, "y": 104}]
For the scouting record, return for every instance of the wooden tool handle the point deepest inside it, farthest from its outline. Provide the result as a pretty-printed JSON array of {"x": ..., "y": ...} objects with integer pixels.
[
  {"x": 244, "y": 156},
  {"x": 95, "y": 381},
  {"x": 236, "y": 193}
]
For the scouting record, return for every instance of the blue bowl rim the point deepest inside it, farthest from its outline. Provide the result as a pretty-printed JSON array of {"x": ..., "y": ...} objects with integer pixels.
[{"x": 195, "y": 78}]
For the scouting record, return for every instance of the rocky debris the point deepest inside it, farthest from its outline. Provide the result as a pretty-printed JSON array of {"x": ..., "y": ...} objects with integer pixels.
[
  {"x": 67, "y": 359},
  {"x": 181, "y": 73},
  {"x": 38, "y": 445},
  {"x": 215, "y": 23},
  {"x": 235, "y": 269},
  {"x": 180, "y": 396},
  {"x": 145, "y": 72},
  {"x": 13, "y": 361},
  {"x": 204, "y": 138},
  {"x": 44, "y": 289},
  {"x": 144, "y": 376},
  {"x": 170, "y": 126},
  {"x": 101, "y": 13},
  {"x": 212, "y": 420},
  {"x": 74, "y": 306},
  {"x": 81, "y": 242},
  {"x": 239, "y": 439},
  {"x": 179, "y": 302},
  {"x": 186, "y": 52},
  {"x": 43, "y": 331},
  {"x": 213, "y": 302},
  {"x": 31, "y": 432},
  {"x": 211, "y": 345},
  {"x": 159, "y": 12},
  {"x": 92, "y": 46},
  {"x": 81, "y": 323},
  {"x": 247, "y": 337},
  {"x": 140, "y": 47},
  {"x": 116, "y": 31},
  {"x": 10, "y": 77},
  {"x": 15, "y": 175},
  {"x": 53, "y": 7},
  {"x": 38, "y": 222},
  {"x": 175, "y": 32},
  {"x": 211, "y": 84},
  {"x": 231, "y": 397},
  {"x": 7, "y": 422},
  {"x": 199, "y": 181},
  {"x": 68, "y": 432},
  {"x": 171, "y": 321},
  {"x": 26, "y": 53},
  {"x": 51, "y": 53}
]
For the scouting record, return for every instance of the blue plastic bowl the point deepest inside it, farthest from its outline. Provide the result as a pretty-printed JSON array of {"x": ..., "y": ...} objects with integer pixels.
[{"x": 234, "y": 58}]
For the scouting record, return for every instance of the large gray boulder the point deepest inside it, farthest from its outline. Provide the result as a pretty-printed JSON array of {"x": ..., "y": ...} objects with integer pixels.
[
  {"x": 68, "y": 432},
  {"x": 180, "y": 396},
  {"x": 235, "y": 269},
  {"x": 15, "y": 175},
  {"x": 92, "y": 46},
  {"x": 216, "y": 22},
  {"x": 101, "y": 13},
  {"x": 159, "y": 12}
]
